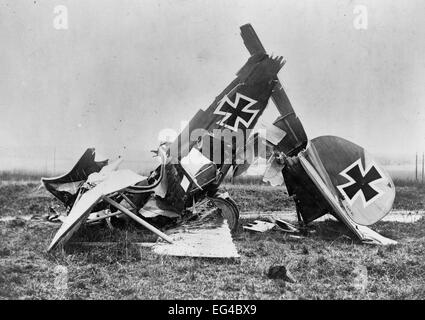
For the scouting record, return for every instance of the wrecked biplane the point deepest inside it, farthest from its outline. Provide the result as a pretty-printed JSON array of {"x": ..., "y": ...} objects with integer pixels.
[
  {"x": 324, "y": 175},
  {"x": 189, "y": 174}
]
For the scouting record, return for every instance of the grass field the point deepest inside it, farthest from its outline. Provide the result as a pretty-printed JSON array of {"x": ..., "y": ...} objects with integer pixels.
[{"x": 325, "y": 263}]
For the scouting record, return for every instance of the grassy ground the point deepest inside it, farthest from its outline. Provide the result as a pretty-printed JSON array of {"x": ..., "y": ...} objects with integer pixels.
[{"x": 325, "y": 263}]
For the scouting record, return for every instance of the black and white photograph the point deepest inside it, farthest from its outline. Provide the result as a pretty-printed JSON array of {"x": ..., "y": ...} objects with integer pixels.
[{"x": 229, "y": 151}]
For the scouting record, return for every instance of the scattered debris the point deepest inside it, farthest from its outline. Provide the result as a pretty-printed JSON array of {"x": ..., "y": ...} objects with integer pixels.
[
  {"x": 259, "y": 226},
  {"x": 263, "y": 226},
  {"x": 286, "y": 226},
  {"x": 403, "y": 216},
  {"x": 280, "y": 272}
]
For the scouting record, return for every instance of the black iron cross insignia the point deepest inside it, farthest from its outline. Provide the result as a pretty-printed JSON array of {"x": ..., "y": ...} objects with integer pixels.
[
  {"x": 360, "y": 183},
  {"x": 236, "y": 113}
]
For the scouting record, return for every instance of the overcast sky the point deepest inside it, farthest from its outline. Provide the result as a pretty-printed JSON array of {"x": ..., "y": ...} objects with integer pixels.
[{"x": 124, "y": 70}]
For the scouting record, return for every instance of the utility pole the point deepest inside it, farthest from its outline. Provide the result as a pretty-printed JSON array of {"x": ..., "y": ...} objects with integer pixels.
[
  {"x": 416, "y": 168},
  {"x": 423, "y": 155}
]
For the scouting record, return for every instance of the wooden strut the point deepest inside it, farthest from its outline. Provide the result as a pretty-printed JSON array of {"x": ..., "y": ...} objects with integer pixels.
[
  {"x": 137, "y": 219},
  {"x": 129, "y": 201},
  {"x": 115, "y": 213}
]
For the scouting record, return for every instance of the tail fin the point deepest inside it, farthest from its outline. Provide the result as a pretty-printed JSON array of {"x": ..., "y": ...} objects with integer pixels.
[
  {"x": 358, "y": 191},
  {"x": 364, "y": 189}
]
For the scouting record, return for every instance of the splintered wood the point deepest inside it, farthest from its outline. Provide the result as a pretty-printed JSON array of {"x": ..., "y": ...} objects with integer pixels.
[{"x": 208, "y": 237}]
